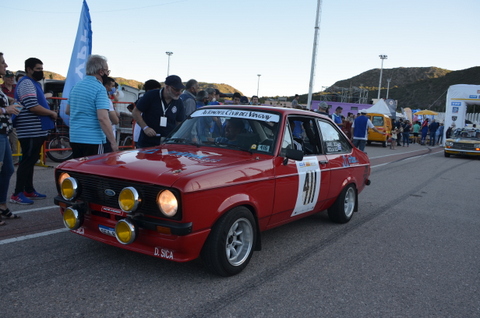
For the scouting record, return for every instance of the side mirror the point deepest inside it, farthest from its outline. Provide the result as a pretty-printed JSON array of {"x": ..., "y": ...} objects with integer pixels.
[{"x": 293, "y": 154}]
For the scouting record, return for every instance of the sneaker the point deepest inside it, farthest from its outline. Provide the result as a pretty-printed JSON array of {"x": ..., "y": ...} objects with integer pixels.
[
  {"x": 20, "y": 199},
  {"x": 34, "y": 195}
]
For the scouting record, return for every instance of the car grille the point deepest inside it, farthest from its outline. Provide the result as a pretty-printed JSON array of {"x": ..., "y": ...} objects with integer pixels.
[
  {"x": 457, "y": 145},
  {"x": 92, "y": 190}
]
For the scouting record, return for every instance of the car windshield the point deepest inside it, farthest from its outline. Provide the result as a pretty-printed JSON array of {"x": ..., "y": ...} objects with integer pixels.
[
  {"x": 465, "y": 133},
  {"x": 246, "y": 130}
]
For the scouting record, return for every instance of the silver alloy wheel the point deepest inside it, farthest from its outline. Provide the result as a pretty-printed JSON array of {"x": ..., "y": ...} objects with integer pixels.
[
  {"x": 349, "y": 203},
  {"x": 239, "y": 242}
]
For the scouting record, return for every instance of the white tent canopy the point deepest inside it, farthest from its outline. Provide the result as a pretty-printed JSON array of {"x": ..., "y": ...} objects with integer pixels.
[{"x": 380, "y": 107}]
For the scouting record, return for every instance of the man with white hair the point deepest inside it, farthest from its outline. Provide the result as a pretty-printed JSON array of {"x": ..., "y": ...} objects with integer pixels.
[{"x": 88, "y": 106}]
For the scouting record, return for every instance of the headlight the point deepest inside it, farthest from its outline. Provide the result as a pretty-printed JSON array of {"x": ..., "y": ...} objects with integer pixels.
[
  {"x": 476, "y": 146},
  {"x": 167, "y": 202},
  {"x": 125, "y": 231},
  {"x": 449, "y": 143},
  {"x": 128, "y": 199},
  {"x": 62, "y": 177},
  {"x": 72, "y": 219},
  {"x": 68, "y": 188}
]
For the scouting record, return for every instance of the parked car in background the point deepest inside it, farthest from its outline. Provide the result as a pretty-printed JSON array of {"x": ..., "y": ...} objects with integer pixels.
[
  {"x": 384, "y": 124},
  {"x": 225, "y": 175},
  {"x": 464, "y": 142}
]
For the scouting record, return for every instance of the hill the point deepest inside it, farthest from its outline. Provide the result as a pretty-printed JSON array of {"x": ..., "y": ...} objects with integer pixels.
[{"x": 414, "y": 87}]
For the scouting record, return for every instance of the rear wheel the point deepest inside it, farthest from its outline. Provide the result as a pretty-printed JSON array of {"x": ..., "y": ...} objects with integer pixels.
[
  {"x": 59, "y": 149},
  {"x": 229, "y": 246},
  {"x": 342, "y": 210}
]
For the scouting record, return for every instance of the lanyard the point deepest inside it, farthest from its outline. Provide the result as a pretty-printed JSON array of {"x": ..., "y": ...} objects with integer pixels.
[{"x": 163, "y": 106}]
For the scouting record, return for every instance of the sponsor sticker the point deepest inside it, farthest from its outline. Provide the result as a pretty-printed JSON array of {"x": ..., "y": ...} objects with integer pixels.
[
  {"x": 308, "y": 185},
  {"x": 106, "y": 230}
]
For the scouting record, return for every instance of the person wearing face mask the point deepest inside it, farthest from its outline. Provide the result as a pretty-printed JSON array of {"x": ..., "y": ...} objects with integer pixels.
[
  {"x": 88, "y": 106},
  {"x": 33, "y": 124}
]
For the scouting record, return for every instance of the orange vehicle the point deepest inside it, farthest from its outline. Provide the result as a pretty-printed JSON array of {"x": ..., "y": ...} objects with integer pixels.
[{"x": 384, "y": 124}]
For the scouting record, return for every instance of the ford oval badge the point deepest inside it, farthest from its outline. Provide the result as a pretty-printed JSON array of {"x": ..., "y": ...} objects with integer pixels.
[{"x": 109, "y": 192}]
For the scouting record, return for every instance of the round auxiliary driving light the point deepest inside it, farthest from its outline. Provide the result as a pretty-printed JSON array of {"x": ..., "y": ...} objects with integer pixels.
[
  {"x": 68, "y": 188},
  {"x": 168, "y": 203},
  {"x": 125, "y": 231},
  {"x": 128, "y": 199},
  {"x": 72, "y": 219}
]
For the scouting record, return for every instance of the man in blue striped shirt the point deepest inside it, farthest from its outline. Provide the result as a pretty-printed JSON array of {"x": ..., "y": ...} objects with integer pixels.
[
  {"x": 33, "y": 125},
  {"x": 88, "y": 106}
]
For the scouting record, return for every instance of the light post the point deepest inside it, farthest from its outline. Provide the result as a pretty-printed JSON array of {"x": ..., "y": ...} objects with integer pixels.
[
  {"x": 388, "y": 86},
  {"x": 258, "y": 83},
  {"x": 168, "y": 67},
  {"x": 382, "y": 57}
]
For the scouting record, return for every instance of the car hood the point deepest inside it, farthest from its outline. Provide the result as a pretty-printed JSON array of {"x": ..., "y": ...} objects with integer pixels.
[{"x": 163, "y": 165}]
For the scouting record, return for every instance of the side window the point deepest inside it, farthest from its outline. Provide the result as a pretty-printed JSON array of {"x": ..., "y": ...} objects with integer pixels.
[
  {"x": 333, "y": 140},
  {"x": 305, "y": 135}
]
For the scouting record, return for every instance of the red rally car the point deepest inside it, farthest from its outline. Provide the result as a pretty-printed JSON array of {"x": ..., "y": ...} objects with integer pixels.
[{"x": 223, "y": 176}]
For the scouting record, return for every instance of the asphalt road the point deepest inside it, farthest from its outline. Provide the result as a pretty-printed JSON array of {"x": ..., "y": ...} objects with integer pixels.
[{"x": 411, "y": 251}]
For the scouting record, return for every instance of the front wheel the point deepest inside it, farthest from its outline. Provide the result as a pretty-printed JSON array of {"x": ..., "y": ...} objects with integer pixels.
[
  {"x": 446, "y": 154},
  {"x": 229, "y": 246},
  {"x": 342, "y": 210},
  {"x": 59, "y": 149}
]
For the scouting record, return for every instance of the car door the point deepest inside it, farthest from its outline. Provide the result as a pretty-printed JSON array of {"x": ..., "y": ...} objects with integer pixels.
[
  {"x": 338, "y": 153},
  {"x": 301, "y": 187}
]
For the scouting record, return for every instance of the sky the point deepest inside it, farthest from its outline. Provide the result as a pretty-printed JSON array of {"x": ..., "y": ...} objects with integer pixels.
[{"x": 233, "y": 41}]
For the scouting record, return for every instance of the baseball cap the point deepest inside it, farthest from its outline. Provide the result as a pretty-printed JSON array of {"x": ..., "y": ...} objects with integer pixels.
[
  {"x": 323, "y": 105},
  {"x": 175, "y": 81},
  {"x": 9, "y": 74}
]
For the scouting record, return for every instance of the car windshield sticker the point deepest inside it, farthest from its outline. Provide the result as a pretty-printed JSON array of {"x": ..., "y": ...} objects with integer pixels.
[
  {"x": 308, "y": 185},
  {"x": 245, "y": 114},
  {"x": 265, "y": 148}
]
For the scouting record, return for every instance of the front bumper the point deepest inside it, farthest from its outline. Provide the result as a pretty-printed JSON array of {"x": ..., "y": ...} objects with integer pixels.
[{"x": 160, "y": 238}]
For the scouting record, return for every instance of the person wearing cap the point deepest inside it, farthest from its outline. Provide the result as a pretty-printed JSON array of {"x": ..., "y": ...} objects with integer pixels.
[
  {"x": 323, "y": 108},
  {"x": 88, "y": 107},
  {"x": 360, "y": 130},
  {"x": 159, "y": 111},
  {"x": 188, "y": 96}
]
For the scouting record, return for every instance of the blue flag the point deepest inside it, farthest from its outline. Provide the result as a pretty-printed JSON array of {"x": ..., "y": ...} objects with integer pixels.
[{"x": 82, "y": 49}]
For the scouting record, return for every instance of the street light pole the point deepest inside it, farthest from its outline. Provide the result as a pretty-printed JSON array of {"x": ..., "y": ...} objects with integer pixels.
[
  {"x": 168, "y": 67},
  {"x": 382, "y": 57},
  {"x": 388, "y": 86},
  {"x": 258, "y": 84}
]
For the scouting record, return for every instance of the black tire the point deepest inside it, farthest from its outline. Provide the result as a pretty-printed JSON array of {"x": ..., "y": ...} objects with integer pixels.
[
  {"x": 369, "y": 142},
  {"x": 59, "y": 142},
  {"x": 342, "y": 210},
  {"x": 446, "y": 154},
  {"x": 230, "y": 245},
  {"x": 384, "y": 144}
]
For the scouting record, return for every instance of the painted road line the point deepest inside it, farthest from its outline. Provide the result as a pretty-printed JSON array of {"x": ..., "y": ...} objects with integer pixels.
[
  {"x": 36, "y": 209},
  {"x": 31, "y": 236}
]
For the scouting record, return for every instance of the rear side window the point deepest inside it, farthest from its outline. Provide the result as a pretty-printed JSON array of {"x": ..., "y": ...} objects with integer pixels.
[{"x": 334, "y": 141}]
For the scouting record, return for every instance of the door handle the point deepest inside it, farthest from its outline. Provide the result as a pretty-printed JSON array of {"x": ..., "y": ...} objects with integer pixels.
[{"x": 323, "y": 162}]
